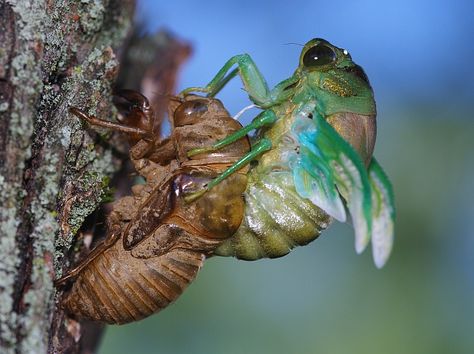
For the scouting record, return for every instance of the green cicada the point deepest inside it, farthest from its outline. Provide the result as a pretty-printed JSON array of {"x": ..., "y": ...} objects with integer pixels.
[{"x": 311, "y": 157}]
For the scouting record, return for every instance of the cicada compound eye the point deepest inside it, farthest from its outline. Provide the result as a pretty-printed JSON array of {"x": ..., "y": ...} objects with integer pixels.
[
  {"x": 319, "y": 55},
  {"x": 189, "y": 112}
]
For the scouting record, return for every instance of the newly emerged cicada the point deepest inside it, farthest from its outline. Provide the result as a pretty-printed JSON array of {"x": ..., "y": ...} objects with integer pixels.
[
  {"x": 158, "y": 238},
  {"x": 311, "y": 156}
]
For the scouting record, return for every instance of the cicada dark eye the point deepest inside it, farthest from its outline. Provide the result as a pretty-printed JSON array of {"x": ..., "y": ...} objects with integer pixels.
[
  {"x": 189, "y": 112},
  {"x": 319, "y": 55}
]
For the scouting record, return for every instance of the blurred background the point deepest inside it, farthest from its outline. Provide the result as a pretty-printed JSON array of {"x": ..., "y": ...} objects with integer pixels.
[{"x": 323, "y": 298}]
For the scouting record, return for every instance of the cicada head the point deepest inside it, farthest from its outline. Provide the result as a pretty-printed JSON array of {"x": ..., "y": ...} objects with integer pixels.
[
  {"x": 135, "y": 111},
  {"x": 345, "y": 91}
]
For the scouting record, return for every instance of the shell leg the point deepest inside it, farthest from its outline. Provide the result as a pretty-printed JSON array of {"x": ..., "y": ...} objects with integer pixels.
[{"x": 106, "y": 124}]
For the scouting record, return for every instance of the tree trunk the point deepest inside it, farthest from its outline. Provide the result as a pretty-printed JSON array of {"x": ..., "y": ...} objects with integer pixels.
[{"x": 53, "y": 55}]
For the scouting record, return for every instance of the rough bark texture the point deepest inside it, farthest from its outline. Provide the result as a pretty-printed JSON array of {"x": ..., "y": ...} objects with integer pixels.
[{"x": 54, "y": 171}]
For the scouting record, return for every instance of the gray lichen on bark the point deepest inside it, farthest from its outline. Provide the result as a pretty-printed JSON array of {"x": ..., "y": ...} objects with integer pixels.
[
  {"x": 54, "y": 170},
  {"x": 53, "y": 55}
]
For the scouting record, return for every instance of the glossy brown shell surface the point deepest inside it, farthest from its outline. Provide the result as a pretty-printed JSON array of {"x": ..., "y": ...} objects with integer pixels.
[{"x": 160, "y": 241}]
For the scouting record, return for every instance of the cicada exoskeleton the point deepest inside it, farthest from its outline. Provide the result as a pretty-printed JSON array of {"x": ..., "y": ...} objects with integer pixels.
[{"x": 157, "y": 238}]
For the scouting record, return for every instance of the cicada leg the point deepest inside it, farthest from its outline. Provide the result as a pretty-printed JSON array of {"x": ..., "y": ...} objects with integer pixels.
[
  {"x": 258, "y": 149},
  {"x": 137, "y": 122},
  {"x": 267, "y": 117},
  {"x": 138, "y": 115},
  {"x": 106, "y": 124},
  {"x": 253, "y": 81}
]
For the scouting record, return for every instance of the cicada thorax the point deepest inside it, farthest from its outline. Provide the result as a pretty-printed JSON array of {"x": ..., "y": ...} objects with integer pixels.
[
  {"x": 200, "y": 122},
  {"x": 161, "y": 239}
]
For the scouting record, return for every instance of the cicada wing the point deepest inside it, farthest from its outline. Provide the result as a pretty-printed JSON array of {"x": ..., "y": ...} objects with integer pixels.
[
  {"x": 314, "y": 181},
  {"x": 383, "y": 214},
  {"x": 345, "y": 168},
  {"x": 353, "y": 186}
]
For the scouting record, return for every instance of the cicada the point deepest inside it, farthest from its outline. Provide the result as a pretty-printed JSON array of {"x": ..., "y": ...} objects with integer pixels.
[
  {"x": 311, "y": 156},
  {"x": 158, "y": 238}
]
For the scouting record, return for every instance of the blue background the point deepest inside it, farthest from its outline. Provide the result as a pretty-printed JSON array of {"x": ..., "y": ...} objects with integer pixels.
[{"x": 323, "y": 298}]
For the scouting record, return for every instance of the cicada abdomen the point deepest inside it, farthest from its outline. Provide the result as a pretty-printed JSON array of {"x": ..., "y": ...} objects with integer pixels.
[
  {"x": 157, "y": 238},
  {"x": 117, "y": 288}
]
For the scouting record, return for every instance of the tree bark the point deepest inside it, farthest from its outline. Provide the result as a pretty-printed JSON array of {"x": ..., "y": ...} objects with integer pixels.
[{"x": 54, "y": 171}]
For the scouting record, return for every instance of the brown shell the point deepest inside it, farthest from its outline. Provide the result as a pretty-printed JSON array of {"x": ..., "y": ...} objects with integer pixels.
[
  {"x": 118, "y": 288},
  {"x": 156, "y": 241}
]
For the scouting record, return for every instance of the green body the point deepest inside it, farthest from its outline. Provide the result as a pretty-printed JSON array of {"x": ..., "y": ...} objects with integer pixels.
[
  {"x": 312, "y": 156},
  {"x": 276, "y": 217}
]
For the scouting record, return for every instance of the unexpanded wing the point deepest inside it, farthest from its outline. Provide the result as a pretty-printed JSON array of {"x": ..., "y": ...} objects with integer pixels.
[
  {"x": 383, "y": 214},
  {"x": 314, "y": 180},
  {"x": 326, "y": 169}
]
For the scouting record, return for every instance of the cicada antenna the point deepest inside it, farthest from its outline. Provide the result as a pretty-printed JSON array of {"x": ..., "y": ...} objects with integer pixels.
[{"x": 292, "y": 43}]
